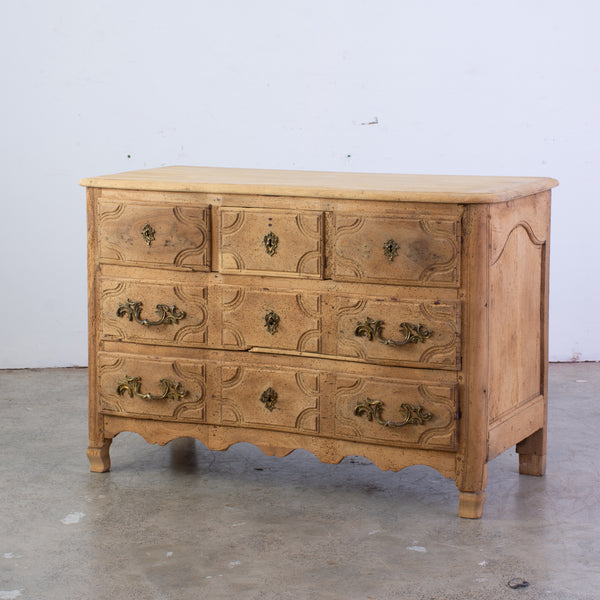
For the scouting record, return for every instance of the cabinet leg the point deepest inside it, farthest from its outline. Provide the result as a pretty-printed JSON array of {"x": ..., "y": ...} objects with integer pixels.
[
  {"x": 532, "y": 454},
  {"x": 99, "y": 457},
  {"x": 470, "y": 504}
]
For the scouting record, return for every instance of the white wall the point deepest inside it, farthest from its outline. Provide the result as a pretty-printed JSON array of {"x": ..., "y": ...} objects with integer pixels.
[{"x": 467, "y": 87}]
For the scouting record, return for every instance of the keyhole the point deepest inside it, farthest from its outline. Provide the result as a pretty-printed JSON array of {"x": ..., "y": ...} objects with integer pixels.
[{"x": 270, "y": 241}]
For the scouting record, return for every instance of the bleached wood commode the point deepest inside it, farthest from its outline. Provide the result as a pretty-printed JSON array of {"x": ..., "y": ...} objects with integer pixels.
[{"x": 401, "y": 318}]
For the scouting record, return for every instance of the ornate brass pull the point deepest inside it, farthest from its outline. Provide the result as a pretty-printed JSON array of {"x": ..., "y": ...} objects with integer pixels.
[
  {"x": 132, "y": 385},
  {"x": 271, "y": 242},
  {"x": 132, "y": 310},
  {"x": 411, "y": 415},
  {"x": 272, "y": 322},
  {"x": 390, "y": 249},
  {"x": 373, "y": 330},
  {"x": 269, "y": 398},
  {"x": 148, "y": 233}
]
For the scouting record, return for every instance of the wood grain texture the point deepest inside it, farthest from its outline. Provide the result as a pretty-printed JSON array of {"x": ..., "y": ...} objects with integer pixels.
[
  {"x": 367, "y": 186},
  {"x": 426, "y": 249},
  {"x": 268, "y": 351},
  {"x": 179, "y": 240},
  {"x": 441, "y": 318},
  {"x": 191, "y": 301},
  {"x": 440, "y": 402},
  {"x": 114, "y": 369}
]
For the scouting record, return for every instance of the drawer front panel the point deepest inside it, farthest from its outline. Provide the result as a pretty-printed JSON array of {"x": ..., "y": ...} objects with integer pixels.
[
  {"x": 152, "y": 387},
  {"x": 154, "y": 235},
  {"x": 271, "y": 242},
  {"x": 270, "y": 319},
  {"x": 272, "y": 398},
  {"x": 377, "y": 411},
  {"x": 397, "y": 332},
  {"x": 153, "y": 313},
  {"x": 397, "y": 250}
]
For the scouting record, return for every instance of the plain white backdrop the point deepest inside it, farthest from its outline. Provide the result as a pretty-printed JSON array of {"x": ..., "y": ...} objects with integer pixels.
[{"x": 461, "y": 87}]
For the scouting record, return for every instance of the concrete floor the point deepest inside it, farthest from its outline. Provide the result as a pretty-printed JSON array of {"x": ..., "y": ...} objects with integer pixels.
[{"x": 180, "y": 522}]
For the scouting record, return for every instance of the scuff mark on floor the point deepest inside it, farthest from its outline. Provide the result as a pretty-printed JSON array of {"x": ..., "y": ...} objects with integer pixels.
[
  {"x": 10, "y": 595},
  {"x": 72, "y": 518}
]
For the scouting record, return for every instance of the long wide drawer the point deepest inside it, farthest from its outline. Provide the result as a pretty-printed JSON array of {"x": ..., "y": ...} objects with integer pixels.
[
  {"x": 417, "y": 332},
  {"x": 301, "y": 396}
]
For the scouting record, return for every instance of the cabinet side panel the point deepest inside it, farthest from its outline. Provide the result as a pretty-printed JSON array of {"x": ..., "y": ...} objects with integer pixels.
[
  {"x": 96, "y": 438},
  {"x": 518, "y": 305}
]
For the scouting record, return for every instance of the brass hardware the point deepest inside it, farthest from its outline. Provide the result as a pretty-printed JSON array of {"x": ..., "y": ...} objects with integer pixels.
[
  {"x": 132, "y": 310},
  {"x": 271, "y": 242},
  {"x": 411, "y": 333},
  {"x": 148, "y": 233},
  {"x": 272, "y": 322},
  {"x": 390, "y": 249},
  {"x": 269, "y": 398},
  {"x": 411, "y": 415},
  {"x": 132, "y": 385}
]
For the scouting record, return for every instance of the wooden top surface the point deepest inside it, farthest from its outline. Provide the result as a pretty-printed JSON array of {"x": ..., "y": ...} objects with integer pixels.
[{"x": 320, "y": 184}]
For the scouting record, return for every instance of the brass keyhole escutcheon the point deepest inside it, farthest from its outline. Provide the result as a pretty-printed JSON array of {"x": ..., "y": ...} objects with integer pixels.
[
  {"x": 269, "y": 398},
  {"x": 271, "y": 241},
  {"x": 272, "y": 322},
  {"x": 390, "y": 249},
  {"x": 148, "y": 233}
]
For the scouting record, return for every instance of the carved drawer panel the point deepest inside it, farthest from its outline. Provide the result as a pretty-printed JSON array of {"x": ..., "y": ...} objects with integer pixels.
[
  {"x": 270, "y": 397},
  {"x": 270, "y": 319},
  {"x": 399, "y": 332},
  {"x": 271, "y": 242},
  {"x": 152, "y": 387},
  {"x": 153, "y": 313},
  {"x": 397, "y": 250},
  {"x": 377, "y": 410},
  {"x": 154, "y": 235}
]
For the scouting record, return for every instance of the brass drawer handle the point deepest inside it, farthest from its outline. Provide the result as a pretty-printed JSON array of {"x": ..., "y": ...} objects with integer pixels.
[
  {"x": 269, "y": 398},
  {"x": 271, "y": 241},
  {"x": 132, "y": 310},
  {"x": 390, "y": 249},
  {"x": 148, "y": 233},
  {"x": 132, "y": 385},
  {"x": 272, "y": 322},
  {"x": 411, "y": 333},
  {"x": 411, "y": 415}
]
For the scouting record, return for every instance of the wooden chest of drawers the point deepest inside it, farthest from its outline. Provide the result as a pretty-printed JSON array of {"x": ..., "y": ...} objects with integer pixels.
[{"x": 400, "y": 318}]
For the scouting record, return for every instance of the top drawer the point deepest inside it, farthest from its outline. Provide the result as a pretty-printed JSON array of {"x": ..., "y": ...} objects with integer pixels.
[
  {"x": 265, "y": 241},
  {"x": 150, "y": 234},
  {"x": 405, "y": 250}
]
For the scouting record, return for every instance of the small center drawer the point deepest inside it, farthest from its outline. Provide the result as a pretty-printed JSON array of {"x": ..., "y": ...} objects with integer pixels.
[
  {"x": 265, "y": 319},
  {"x": 271, "y": 242},
  {"x": 270, "y": 397}
]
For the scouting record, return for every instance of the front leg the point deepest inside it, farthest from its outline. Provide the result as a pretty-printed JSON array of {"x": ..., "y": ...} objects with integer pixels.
[{"x": 99, "y": 456}]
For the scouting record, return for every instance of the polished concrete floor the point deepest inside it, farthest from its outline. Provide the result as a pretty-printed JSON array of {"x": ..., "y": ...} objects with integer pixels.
[{"x": 180, "y": 522}]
